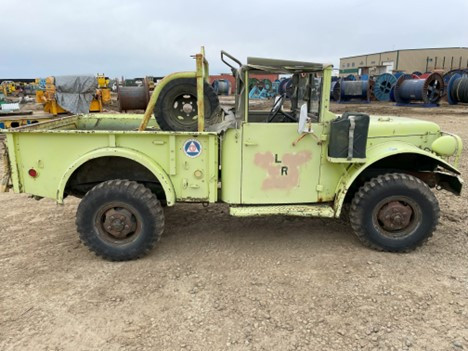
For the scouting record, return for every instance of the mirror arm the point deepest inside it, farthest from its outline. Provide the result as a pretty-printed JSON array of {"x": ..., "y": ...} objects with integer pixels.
[{"x": 295, "y": 142}]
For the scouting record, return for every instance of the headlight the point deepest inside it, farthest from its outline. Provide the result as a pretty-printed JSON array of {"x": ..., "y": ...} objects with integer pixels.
[{"x": 445, "y": 145}]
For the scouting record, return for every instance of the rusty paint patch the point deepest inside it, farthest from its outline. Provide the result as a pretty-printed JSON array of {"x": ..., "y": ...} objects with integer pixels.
[{"x": 282, "y": 171}]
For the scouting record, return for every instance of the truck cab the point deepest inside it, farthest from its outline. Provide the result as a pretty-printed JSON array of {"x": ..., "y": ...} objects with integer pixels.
[{"x": 276, "y": 163}]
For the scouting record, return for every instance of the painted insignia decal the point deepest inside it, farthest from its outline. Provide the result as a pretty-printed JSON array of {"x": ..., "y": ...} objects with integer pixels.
[
  {"x": 281, "y": 173},
  {"x": 192, "y": 148}
]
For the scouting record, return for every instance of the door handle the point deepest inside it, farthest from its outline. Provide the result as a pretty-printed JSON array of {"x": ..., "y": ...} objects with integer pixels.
[{"x": 250, "y": 143}]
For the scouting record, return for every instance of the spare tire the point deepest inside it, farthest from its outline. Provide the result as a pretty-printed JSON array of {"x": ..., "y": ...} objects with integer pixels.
[{"x": 176, "y": 108}]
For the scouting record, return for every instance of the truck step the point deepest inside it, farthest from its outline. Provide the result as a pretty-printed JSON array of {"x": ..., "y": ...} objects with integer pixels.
[{"x": 315, "y": 210}]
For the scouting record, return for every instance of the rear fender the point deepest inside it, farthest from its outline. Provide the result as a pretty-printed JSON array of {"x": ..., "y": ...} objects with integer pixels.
[{"x": 133, "y": 155}]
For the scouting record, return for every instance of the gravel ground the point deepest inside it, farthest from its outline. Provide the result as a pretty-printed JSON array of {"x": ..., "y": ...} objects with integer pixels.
[{"x": 221, "y": 283}]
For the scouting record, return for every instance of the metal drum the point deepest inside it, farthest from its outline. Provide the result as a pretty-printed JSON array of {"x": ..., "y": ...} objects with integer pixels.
[{"x": 429, "y": 90}]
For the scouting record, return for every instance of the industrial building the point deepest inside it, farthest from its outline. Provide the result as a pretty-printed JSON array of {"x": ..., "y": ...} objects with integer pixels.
[{"x": 406, "y": 61}]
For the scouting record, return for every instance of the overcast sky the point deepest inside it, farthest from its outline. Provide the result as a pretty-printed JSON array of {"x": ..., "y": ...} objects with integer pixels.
[{"x": 152, "y": 37}]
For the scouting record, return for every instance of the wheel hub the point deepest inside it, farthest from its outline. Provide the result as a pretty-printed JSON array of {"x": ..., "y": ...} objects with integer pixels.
[
  {"x": 118, "y": 222},
  {"x": 395, "y": 215},
  {"x": 187, "y": 108}
]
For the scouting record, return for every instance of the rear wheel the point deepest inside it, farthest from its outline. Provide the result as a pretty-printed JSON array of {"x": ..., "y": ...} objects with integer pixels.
[
  {"x": 120, "y": 220},
  {"x": 176, "y": 107},
  {"x": 394, "y": 212}
]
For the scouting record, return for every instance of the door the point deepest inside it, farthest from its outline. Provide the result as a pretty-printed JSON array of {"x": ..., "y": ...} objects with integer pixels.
[
  {"x": 388, "y": 66},
  {"x": 273, "y": 170}
]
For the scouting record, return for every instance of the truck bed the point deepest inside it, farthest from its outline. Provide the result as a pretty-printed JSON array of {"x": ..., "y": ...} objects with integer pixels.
[
  {"x": 92, "y": 122},
  {"x": 57, "y": 149}
]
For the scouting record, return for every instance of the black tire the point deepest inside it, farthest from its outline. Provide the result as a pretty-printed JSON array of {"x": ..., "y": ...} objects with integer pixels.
[
  {"x": 178, "y": 93},
  {"x": 120, "y": 220},
  {"x": 394, "y": 212}
]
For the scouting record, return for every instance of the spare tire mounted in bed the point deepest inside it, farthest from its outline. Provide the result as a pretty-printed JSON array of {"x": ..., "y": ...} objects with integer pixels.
[{"x": 176, "y": 107}]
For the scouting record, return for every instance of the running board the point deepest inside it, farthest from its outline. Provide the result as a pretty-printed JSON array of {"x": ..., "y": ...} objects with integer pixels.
[{"x": 318, "y": 210}]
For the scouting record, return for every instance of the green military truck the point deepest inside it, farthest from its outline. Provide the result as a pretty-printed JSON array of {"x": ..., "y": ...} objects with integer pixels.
[{"x": 295, "y": 158}]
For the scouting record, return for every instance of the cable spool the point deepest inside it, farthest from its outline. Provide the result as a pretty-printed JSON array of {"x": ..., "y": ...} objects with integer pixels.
[
  {"x": 383, "y": 86},
  {"x": 221, "y": 86},
  {"x": 253, "y": 82},
  {"x": 335, "y": 90},
  {"x": 392, "y": 94},
  {"x": 398, "y": 74},
  {"x": 275, "y": 87},
  {"x": 451, "y": 73},
  {"x": 371, "y": 84},
  {"x": 267, "y": 84},
  {"x": 457, "y": 90},
  {"x": 424, "y": 75},
  {"x": 427, "y": 90},
  {"x": 285, "y": 87},
  {"x": 350, "y": 77},
  {"x": 416, "y": 73},
  {"x": 347, "y": 90},
  {"x": 133, "y": 98}
]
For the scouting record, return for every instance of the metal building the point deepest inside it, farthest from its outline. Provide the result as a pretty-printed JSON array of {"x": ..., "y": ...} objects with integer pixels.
[{"x": 407, "y": 61}]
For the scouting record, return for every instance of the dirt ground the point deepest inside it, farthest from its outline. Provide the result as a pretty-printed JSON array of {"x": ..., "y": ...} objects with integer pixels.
[{"x": 221, "y": 283}]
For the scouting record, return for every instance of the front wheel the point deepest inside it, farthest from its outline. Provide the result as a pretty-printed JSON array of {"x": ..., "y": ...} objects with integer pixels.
[
  {"x": 394, "y": 212},
  {"x": 120, "y": 220}
]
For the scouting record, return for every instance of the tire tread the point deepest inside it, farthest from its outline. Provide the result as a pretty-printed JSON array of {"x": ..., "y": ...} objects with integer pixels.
[
  {"x": 363, "y": 194},
  {"x": 133, "y": 189}
]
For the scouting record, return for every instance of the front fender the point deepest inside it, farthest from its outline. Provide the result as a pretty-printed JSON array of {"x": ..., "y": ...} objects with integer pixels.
[
  {"x": 133, "y": 155},
  {"x": 377, "y": 153}
]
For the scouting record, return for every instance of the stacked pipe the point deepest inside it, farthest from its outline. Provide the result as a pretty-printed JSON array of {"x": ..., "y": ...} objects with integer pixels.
[
  {"x": 409, "y": 89},
  {"x": 457, "y": 90}
]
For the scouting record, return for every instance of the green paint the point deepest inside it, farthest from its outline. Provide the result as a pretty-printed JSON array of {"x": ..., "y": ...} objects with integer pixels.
[{"x": 349, "y": 70}]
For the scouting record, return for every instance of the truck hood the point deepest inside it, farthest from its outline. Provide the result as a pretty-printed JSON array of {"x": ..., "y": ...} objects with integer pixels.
[{"x": 382, "y": 126}]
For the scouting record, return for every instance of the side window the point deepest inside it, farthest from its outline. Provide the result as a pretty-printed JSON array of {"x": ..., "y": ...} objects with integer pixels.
[
  {"x": 308, "y": 91},
  {"x": 282, "y": 103},
  {"x": 263, "y": 91}
]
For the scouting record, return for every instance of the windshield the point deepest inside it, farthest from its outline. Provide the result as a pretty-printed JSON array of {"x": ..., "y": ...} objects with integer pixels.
[{"x": 280, "y": 101}]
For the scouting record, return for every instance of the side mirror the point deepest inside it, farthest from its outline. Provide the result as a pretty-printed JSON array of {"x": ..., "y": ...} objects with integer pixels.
[{"x": 304, "y": 125}]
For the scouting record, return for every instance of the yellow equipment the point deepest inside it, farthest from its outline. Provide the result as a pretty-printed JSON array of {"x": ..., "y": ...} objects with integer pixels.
[
  {"x": 47, "y": 96},
  {"x": 103, "y": 87},
  {"x": 7, "y": 87}
]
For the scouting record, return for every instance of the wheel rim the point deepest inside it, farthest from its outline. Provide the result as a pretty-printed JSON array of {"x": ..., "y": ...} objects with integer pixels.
[
  {"x": 396, "y": 217},
  {"x": 118, "y": 223},
  {"x": 184, "y": 110}
]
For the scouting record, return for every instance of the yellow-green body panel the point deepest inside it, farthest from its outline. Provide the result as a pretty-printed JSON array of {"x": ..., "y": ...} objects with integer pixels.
[
  {"x": 275, "y": 170},
  {"x": 231, "y": 157},
  {"x": 56, "y": 149},
  {"x": 299, "y": 210}
]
